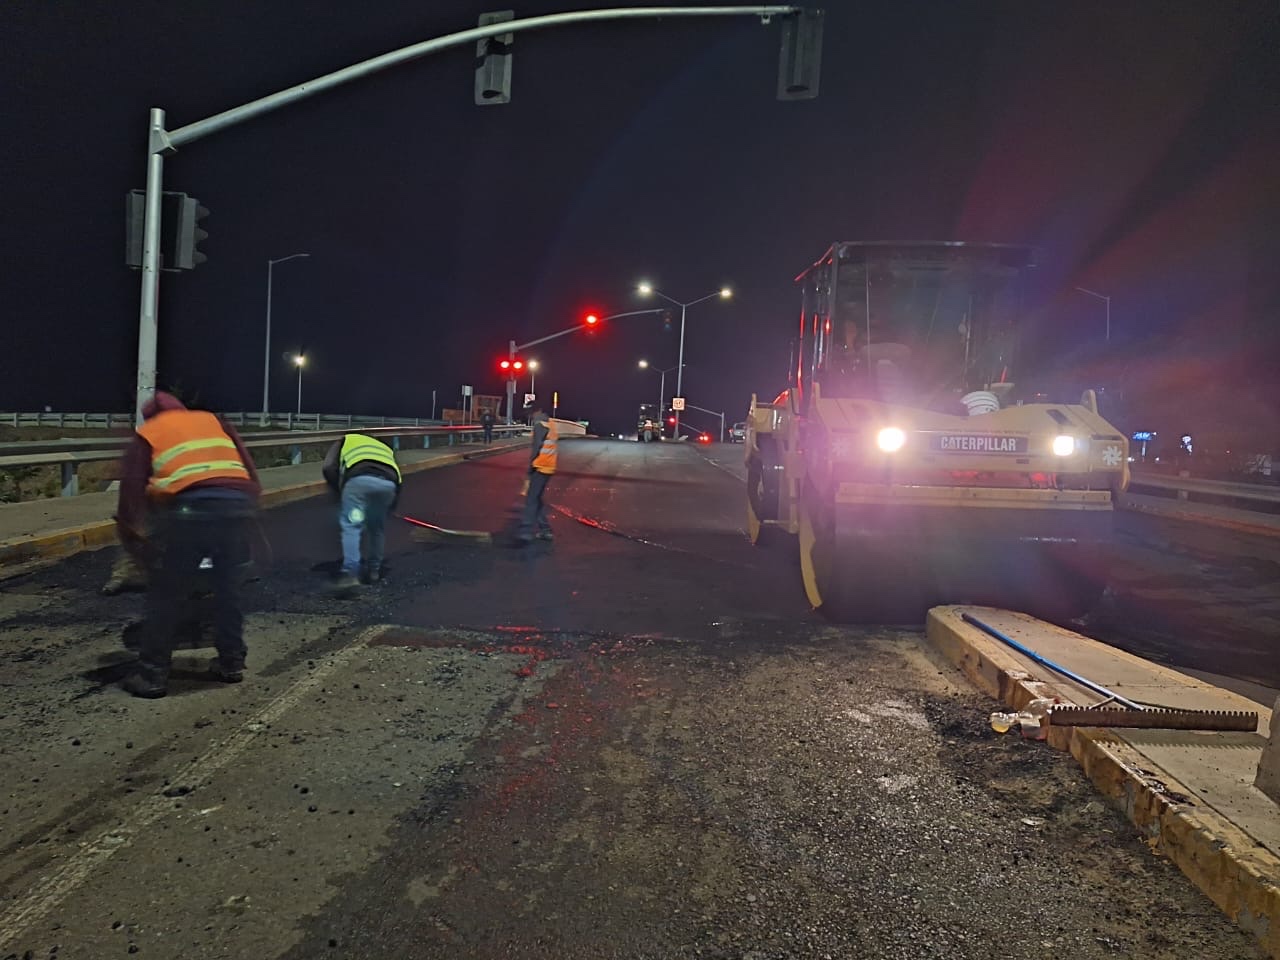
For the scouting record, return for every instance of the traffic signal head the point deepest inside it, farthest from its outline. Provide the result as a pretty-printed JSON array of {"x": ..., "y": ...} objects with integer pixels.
[
  {"x": 504, "y": 364},
  {"x": 591, "y": 319},
  {"x": 800, "y": 59},
  {"x": 518, "y": 365}
]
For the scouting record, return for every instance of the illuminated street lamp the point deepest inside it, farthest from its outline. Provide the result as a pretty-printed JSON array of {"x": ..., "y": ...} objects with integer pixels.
[
  {"x": 532, "y": 366},
  {"x": 646, "y": 289},
  {"x": 266, "y": 365},
  {"x": 299, "y": 361},
  {"x": 662, "y": 384}
]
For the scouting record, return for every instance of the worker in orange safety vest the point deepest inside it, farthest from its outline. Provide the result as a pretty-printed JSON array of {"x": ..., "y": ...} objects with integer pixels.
[
  {"x": 543, "y": 460},
  {"x": 188, "y": 480}
]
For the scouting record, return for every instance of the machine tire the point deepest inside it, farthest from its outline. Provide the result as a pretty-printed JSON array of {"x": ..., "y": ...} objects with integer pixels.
[
  {"x": 846, "y": 582},
  {"x": 762, "y": 494}
]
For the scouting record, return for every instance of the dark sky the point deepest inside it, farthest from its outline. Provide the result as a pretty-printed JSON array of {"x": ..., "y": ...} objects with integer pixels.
[{"x": 1137, "y": 144}]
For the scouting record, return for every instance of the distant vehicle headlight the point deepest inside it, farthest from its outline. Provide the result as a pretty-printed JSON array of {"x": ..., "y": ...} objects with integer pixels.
[
  {"x": 890, "y": 439},
  {"x": 1063, "y": 445}
]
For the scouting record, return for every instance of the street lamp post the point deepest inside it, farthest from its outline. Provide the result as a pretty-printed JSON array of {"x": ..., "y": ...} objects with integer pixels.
[
  {"x": 299, "y": 361},
  {"x": 662, "y": 384},
  {"x": 1107, "y": 300},
  {"x": 532, "y": 366},
  {"x": 266, "y": 366},
  {"x": 645, "y": 289}
]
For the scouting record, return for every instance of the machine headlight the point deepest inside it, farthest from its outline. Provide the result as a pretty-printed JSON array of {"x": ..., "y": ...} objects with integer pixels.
[
  {"x": 1063, "y": 445},
  {"x": 890, "y": 439}
]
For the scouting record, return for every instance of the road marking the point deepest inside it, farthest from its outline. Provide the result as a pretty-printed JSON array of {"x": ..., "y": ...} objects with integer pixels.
[{"x": 51, "y": 890}]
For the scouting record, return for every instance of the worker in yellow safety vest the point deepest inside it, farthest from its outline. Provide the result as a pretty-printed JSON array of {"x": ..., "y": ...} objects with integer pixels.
[
  {"x": 189, "y": 483},
  {"x": 364, "y": 473},
  {"x": 543, "y": 459}
]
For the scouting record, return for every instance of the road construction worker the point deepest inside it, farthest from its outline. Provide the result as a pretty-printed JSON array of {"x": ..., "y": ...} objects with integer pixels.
[
  {"x": 364, "y": 472},
  {"x": 189, "y": 483},
  {"x": 542, "y": 466},
  {"x": 487, "y": 420}
]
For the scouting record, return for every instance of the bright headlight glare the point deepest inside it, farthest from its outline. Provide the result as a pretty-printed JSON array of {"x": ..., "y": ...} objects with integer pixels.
[
  {"x": 1063, "y": 445},
  {"x": 890, "y": 439}
]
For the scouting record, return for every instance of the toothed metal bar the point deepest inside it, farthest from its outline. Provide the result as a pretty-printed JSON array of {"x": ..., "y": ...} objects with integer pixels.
[{"x": 1154, "y": 719}]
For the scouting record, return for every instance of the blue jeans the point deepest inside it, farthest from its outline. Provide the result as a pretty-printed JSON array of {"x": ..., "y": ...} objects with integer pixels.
[{"x": 366, "y": 501}]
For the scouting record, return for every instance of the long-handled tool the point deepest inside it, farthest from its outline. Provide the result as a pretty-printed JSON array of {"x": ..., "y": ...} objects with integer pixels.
[
  {"x": 424, "y": 532},
  {"x": 1127, "y": 713}
]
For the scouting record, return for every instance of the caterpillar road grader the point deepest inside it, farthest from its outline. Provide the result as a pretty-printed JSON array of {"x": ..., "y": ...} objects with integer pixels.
[{"x": 906, "y": 457}]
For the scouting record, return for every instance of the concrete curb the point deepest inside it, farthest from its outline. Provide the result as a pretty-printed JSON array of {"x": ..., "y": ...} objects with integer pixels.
[
  {"x": 1225, "y": 523},
  {"x": 65, "y": 541},
  {"x": 1228, "y": 865}
]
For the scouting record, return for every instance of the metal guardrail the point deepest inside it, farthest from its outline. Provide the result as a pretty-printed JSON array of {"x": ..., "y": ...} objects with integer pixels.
[
  {"x": 285, "y": 421},
  {"x": 1186, "y": 487},
  {"x": 69, "y": 454}
]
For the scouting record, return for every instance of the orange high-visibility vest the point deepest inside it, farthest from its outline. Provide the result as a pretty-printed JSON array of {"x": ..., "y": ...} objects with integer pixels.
[
  {"x": 545, "y": 461},
  {"x": 187, "y": 447}
]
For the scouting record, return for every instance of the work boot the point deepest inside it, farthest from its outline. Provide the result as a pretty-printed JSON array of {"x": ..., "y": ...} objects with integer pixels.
[
  {"x": 126, "y": 574},
  {"x": 143, "y": 684},
  {"x": 225, "y": 674},
  {"x": 545, "y": 535},
  {"x": 347, "y": 585}
]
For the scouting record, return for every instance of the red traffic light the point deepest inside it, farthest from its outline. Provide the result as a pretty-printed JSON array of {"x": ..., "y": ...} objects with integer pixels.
[
  {"x": 671, "y": 420},
  {"x": 591, "y": 319},
  {"x": 519, "y": 364},
  {"x": 505, "y": 364}
]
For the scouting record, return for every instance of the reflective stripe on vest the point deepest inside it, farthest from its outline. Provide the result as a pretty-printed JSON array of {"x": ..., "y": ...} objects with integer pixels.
[
  {"x": 357, "y": 448},
  {"x": 545, "y": 461},
  {"x": 189, "y": 447}
]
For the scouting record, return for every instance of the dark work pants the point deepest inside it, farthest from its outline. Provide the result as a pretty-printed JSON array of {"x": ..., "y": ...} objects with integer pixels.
[
  {"x": 535, "y": 511},
  {"x": 488, "y": 433},
  {"x": 200, "y": 544}
]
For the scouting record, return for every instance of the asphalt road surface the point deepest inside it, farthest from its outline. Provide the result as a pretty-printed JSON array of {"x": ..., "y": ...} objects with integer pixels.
[{"x": 635, "y": 742}]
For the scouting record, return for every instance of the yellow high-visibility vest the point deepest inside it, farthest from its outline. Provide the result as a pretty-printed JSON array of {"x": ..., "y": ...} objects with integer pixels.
[{"x": 357, "y": 448}]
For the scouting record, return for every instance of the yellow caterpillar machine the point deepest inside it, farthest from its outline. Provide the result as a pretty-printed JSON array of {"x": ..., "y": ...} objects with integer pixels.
[{"x": 906, "y": 458}]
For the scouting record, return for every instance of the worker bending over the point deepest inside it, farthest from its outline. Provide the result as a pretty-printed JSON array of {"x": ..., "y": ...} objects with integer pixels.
[
  {"x": 364, "y": 472},
  {"x": 188, "y": 481}
]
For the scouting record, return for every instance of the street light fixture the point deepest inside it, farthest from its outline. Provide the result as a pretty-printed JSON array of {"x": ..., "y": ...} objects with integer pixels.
[
  {"x": 662, "y": 385},
  {"x": 1107, "y": 299},
  {"x": 532, "y": 365},
  {"x": 266, "y": 366},
  {"x": 647, "y": 289},
  {"x": 299, "y": 361}
]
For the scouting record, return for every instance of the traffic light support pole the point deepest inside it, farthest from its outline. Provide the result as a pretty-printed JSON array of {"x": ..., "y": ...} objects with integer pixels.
[
  {"x": 161, "y": 141},
  {"x": 149, "y": 311}
]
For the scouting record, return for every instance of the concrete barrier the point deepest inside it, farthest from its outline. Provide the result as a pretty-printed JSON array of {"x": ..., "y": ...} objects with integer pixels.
[{"x": 1268, "y": 779}]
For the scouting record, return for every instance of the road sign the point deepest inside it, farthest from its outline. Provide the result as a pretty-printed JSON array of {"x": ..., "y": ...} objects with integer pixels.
[
  {"x": 466, "y": 389},
  {"x": 677, "y": 403},
  {"x": 530, "y": 397}
]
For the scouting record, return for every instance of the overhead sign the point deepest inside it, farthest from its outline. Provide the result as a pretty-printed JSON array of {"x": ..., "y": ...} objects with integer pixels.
[
  {"x": 1144, "y": 435},
  {"x": 677, "y": 403},
  {"x": 530, "y": 397}
]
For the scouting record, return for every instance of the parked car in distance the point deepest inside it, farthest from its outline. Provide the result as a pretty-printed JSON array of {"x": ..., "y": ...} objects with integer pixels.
[{"x": 738, "y": 433}]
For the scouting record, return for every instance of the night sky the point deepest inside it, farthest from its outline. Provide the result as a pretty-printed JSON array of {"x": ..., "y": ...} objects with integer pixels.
[{"x": 1136, "y": 144}]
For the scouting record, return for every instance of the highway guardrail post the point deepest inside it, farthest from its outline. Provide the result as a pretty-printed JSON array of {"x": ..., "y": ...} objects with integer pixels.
[{"x": 70, "y": 479}]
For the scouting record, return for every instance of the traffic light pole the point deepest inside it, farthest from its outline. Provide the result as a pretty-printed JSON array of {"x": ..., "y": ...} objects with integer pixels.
[
  {"x": 513, "y": 348},
  {"x": 162, "y": 141},
  {"x": 149, "y": 311}
]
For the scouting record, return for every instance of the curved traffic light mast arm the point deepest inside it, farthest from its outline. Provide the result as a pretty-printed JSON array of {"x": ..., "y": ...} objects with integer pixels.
[
  {"x": 162, "y": 141},
  {"x": 517, "y": 347}
]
